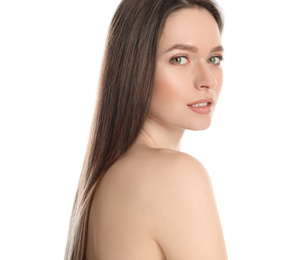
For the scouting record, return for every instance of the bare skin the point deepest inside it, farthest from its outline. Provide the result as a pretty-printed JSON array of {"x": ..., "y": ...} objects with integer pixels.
[{"x": 155, "y": 202}]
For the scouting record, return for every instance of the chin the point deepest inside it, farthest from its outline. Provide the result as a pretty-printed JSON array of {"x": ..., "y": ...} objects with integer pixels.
[{"x": 199, "y": 126}]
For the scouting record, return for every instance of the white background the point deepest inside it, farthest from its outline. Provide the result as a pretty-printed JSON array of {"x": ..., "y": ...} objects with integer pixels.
[{"x": 50, "y": 55}]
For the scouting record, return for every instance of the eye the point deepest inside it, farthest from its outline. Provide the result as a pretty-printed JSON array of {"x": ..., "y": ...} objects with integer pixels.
[
  {"x": 216, "y": 60},
  {"x": 179, "y": 60}
]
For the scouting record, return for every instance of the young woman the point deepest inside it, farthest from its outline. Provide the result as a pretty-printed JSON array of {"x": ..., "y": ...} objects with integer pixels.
[{"x": 139, "y": 197}]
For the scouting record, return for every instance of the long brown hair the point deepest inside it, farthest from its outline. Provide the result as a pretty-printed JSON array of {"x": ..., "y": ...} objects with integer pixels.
[{"x": 123, "y": 102}]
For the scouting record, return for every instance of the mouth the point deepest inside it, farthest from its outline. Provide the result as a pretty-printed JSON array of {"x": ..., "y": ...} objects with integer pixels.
[
  {"x": 202, "y": 103},
  {"x": 203, "y": 106}
]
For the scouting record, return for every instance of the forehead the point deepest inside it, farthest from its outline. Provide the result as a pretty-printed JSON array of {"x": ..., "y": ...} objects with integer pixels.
[{"x": 195, "y": 26}]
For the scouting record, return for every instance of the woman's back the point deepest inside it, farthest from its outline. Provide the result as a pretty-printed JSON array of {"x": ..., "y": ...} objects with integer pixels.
[
  {"x": 137, "y": 211},
  {"x": 120, "y": 216}
]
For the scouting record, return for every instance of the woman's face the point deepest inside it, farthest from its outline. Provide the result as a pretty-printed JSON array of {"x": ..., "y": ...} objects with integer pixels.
[{"x": 188, "y": 77}]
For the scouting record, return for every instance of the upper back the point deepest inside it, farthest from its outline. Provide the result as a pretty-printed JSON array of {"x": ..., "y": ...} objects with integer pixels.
[
  {"x": 145, "y": 205},
  {"x": 119, "y": 222}
]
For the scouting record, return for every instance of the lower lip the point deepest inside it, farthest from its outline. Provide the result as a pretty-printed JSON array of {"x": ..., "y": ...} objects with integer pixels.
[{"x": 202, "y": 110}]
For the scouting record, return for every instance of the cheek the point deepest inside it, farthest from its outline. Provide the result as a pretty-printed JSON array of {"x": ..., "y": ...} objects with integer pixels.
[
  {"x": 168, "y": 95},
  {"x": 169, "y": 85}
]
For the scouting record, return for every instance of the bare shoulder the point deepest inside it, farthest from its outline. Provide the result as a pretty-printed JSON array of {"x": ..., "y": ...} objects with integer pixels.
[
  {"x": 145, "y": 176},
  {"x": 177, "y": 163},
  {"x": 160, "y": 170},
  {"x": 158, "y": 163},
  {"x": 174, "y": 170},
  {"x": 166, "y": 198},
  {"x": 181, "y": 177},
  {"x": 185, "y": 217}
]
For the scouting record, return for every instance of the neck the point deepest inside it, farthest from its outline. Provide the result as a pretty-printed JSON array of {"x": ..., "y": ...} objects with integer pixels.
[{"x": 158, "y": 135}]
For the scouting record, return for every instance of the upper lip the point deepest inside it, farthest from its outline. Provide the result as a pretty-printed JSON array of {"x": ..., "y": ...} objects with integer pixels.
[{"x": 208, "y": 100}]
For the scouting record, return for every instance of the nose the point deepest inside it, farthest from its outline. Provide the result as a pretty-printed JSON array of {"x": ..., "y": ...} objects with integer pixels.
[{"x": 204, "y": 78}]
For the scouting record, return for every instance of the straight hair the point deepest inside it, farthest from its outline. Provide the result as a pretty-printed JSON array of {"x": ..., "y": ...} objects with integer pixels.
[{"x": 124, "y": 97}]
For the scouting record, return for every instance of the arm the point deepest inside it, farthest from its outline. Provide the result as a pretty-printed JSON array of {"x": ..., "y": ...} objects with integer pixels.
[{"x": 186, "y": 223}]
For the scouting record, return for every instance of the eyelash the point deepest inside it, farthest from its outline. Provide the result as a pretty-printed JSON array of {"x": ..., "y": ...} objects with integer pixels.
[
  {"x": 219, "y": 57},
  {"x": 183, "y": 56},
  {"x": 178, "y": 56}
]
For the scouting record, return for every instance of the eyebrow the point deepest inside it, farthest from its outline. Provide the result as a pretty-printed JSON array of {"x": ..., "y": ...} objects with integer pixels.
[
  {"x": 183, "y": 47},
  {"x": 218, "y": 48},
  {"x": 186, "y": 47}
]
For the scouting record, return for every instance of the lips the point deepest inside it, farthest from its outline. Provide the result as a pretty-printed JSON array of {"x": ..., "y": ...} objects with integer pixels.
[
  {"x": 209, "y": 101},
  {"x": 202, "y": 106}
]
